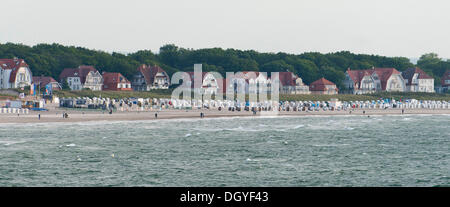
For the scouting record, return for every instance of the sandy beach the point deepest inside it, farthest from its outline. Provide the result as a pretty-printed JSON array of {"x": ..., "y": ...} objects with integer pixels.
[{"x": 56, "y": 114}]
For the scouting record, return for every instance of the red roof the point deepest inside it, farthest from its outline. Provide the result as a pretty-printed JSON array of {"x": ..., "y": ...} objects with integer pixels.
[
  {"x": 320, "y": 85},
  {"x": 383, "y": 74},
  {"x": 114, "y": 78},
  {"x": 110, "y": 80},
  {"x": 287, "y": 78},
  {"x": 43, "y": 80},
  {"x": 358, "y": 75},
  {"x": 149, "y": 73},
  {"x": 445, "y": 77},
  {"x": 14, "y": 65},
  {"x": 81, "y": 72}
]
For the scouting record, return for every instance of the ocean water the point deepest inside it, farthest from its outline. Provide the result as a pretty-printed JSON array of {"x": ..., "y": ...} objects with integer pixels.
[{"x": 410, "y": 150}]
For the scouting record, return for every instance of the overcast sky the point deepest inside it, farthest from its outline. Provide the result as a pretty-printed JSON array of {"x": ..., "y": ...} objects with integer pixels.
[{"x": 384, "y": 27}]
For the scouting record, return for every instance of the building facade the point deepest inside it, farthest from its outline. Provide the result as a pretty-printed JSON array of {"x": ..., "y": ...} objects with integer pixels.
[
  {"x": 445, "y": 82},
  {"x": 292, "y": 84},
  {"x": 83, "y": 77},
  {"x": 249, "y": 82},
  {"x": 373, "y": 80},
  {"x": 115, "y": 82},
  {"x": 417, "y": 80},
  {"x": 209, "y": 83},
  {"x": 150, "y": 77},
  {"x": 14, "y": 73},
  {"x": 44, "y": 82},
  {"x": 323, "y": 86}
]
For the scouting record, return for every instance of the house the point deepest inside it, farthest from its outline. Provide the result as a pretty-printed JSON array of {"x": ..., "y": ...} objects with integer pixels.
[
  {"x": 248, "y": 82},
  {"x": 373, "y": 80},
  {"x": 361, "y": 82},
  {"x": 417, "y": 80},
  {"x": 323, "y": 86},
  {"x": 46, "y": 83},
  {"x": 115, "y": 82},
  {"x": 82, "y": 77},
  {"x": 14, "y": 73},
  {"x": 209, "y": 83},
  {"x": 292, "y": 84},
  {"x": 150, "y": 77},
  {"x": 445, "y": 82}
]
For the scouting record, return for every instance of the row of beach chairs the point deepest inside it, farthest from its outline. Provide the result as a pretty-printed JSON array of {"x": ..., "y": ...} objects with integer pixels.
[{"x": 14, "y": 111}]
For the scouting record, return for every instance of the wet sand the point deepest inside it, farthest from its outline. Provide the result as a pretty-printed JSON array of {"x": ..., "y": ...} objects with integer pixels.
[{"x": 56, "y": 114}]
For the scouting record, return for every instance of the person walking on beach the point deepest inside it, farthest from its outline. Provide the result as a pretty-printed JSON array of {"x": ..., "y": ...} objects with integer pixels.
[
  {"x": 39, "y": 116},
  {"x": 202, "y": 115},
  {"x": 156, "y": 115},
  {"x": 403, "y": 111}
]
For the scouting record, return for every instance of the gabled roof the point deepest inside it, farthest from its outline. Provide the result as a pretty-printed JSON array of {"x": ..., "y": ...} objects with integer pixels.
[
  {"x": 114, "y": 78},
  {"x": 248, "y": 75},
  {"x": 322, "y": 81},
  {"x": 150, "y": 72},
  {"x": 409, "y": 74},
  {"x": 43, "y": 80},
  {"x": 14, "y": 65},
  {"x": 287, "y": 78},
  {"x": 204, "y": 74},
  {"x": 358, "y": 75},
  {"x": 81, "y": 72},
  {"x": 383, "y": 74},
  {"x": 320, "y": 85}
]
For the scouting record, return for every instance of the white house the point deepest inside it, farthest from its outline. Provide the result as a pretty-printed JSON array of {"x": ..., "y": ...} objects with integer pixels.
[
  {"x": 249, "y": 82},
  {"x": 14, "y": 73},
  {"x": 210, "y": 83},
  {"x": 82, "y": 77},
  {"x": 418, "y": 81},
  {"x": 150, "y": 77},
  {"x": 292, "y": 84},
  {"x": 373, "y": 80}
]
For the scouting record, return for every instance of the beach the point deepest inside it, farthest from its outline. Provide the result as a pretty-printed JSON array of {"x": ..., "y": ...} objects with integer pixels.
[{"x": 56, "y": 114}]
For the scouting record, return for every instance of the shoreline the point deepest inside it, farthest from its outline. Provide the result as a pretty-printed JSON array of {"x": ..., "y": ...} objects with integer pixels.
[{"x": 55, "y": 116}]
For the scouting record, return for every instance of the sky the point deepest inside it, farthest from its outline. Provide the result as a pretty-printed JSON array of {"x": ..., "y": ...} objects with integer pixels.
[{"x": 407, "y": 28}]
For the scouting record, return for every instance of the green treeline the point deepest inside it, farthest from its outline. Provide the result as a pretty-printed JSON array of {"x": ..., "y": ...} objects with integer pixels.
[{"x": 51, "y": 59}]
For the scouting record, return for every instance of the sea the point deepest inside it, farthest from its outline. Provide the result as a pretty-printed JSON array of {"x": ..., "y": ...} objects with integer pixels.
[{"x": 385, "y": 150}]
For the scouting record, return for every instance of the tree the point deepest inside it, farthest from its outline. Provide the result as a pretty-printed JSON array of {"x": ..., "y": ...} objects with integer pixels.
[
  {"x": 65, "y": 85},
  {"x": 51, "y": 59},
  {"x": 429, "y": 59},
  {"x": 277, "y": 66}
]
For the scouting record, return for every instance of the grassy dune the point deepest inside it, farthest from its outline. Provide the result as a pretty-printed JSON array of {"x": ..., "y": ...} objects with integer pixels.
[
  {"x": 115, "y": 94},
  {"x": 368, "y": 97},
  {"x": 283, "y": 97}
]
